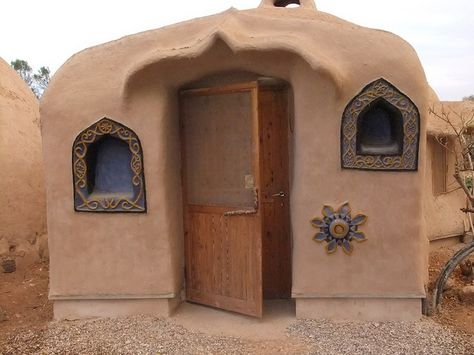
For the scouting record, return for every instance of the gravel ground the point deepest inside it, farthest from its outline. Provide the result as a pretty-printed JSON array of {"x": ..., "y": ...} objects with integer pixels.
[
  {"x": 135, "y": 335},
  {"x": 422, "y": 337},
  {"x": 144, "y": 335}
]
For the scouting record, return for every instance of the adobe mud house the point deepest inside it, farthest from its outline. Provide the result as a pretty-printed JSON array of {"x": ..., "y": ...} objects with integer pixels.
[
  {"x": 212, "y": 160},
  {"x": 23, "y": 198}
]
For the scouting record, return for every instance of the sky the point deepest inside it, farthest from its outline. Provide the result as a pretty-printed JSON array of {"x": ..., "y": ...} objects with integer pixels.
[{"x": 48, "y": 32}]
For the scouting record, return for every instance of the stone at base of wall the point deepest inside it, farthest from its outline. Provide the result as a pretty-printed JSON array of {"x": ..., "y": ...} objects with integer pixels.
[
  {"x": 81, "y": 309},
  {"x": 364, "y": 309}
]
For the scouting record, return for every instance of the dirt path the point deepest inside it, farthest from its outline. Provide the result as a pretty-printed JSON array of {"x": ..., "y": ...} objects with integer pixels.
[
  {"x": 24, "y": 297},
  {"x": 453, "y": 312}
]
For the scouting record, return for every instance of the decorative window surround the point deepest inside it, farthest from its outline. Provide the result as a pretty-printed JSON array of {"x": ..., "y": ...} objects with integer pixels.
[
  {"x": 85, "y": 199},
  {"x": 376, "y": 91}
]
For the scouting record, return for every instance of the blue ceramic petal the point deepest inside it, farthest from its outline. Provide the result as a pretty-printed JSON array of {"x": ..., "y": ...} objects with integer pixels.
[
  {"x": 331, "y": 246},
  {"x": 347, "y": 247},
  {"x": 359, "y": 219},
  {"x": 358, "y": 236},
  {"x": 320, "y": 237},
  {"x": 344, "y": 210},
  {"x": 316, "y": 222},
  {"x": 328, "y": 211}
]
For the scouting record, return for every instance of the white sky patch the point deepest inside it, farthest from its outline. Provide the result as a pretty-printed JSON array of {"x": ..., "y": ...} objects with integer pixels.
[{"x": 48, "y": 32}]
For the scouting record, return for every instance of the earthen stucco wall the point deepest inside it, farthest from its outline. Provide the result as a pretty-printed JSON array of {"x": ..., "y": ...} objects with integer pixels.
[
  {"x": 136, "y": 81},
  {"x": 442, "y": 211},
  {"x": 22, "y": 190}
]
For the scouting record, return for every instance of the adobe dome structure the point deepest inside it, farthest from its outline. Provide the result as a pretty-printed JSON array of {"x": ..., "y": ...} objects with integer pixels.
[
  {"x": 235, "y": 158},
  {"x": 22, "y": 196}
]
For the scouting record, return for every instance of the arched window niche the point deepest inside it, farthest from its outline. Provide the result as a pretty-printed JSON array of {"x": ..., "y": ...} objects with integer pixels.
[
  {"x": 108, "y": 169},
  {"x": 380, "y": 130}
]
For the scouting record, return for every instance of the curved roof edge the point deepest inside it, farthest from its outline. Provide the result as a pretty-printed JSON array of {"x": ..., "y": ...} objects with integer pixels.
[
  {"x": 328, "y": 44},
  {"x": 458, "y": 113},
  {"x": 13, "y": 85}
]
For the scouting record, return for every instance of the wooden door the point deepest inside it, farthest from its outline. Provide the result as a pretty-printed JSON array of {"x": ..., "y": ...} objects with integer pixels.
[
  {"x": 221, "y": 176},
  {"x": 275, "y": 204}
]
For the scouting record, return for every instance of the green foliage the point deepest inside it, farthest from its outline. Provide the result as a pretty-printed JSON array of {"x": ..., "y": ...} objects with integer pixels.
[
  {"x": 36, "y": 81},
  {"x": 23, "y": 69},
  {"x": 41, "y": 79},
  {"x": 468, "y": 181}
]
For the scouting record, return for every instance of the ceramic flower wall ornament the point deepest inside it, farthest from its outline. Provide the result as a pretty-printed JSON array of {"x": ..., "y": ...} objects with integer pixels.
[{"x": 338, "y": 228}]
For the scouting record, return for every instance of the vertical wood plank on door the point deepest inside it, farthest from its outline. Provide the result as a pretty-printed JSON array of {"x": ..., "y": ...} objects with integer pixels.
[
  {"x": 222, "y": 264},
  {"x": 276, "y": 243}
]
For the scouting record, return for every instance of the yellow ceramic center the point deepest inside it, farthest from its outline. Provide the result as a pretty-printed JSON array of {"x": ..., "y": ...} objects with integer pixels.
[{"x": 339, "y": 228}]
